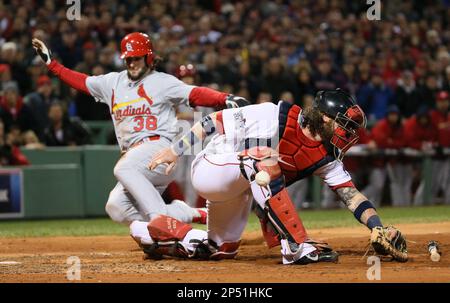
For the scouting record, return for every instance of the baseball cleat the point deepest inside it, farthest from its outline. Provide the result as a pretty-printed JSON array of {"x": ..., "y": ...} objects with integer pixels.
[
  {"x": 318, "y": 256},
  {"x": 203, "y": 216}
]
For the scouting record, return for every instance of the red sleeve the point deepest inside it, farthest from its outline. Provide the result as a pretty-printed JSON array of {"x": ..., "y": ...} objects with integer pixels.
[
  {"x": 18, "y": 157},
  {"x": 72, "y": 78},
  {"x": 203, "y": 96}
]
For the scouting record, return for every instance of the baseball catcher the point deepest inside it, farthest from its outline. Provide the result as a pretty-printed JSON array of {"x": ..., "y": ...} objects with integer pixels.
[{"x": 284, "y": 143}]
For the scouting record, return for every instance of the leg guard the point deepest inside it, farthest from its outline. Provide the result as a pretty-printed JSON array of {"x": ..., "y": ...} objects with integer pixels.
[
  {"x": 284, "y": 217},
  {"x": 270, "y": 233}
]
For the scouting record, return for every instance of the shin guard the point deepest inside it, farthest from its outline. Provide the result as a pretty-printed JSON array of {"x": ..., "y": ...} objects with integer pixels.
[{"x": 277, "y": 214}]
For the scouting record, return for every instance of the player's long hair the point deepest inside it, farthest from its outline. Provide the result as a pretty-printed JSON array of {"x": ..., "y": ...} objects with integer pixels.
[{"x": 313, "y": 119}]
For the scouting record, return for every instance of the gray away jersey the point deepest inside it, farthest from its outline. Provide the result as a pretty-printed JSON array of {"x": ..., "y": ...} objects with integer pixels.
[{"x": 140, "y": 108}]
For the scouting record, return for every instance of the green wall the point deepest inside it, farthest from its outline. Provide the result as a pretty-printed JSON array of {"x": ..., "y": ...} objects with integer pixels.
[{"x": 69, "y": 181}]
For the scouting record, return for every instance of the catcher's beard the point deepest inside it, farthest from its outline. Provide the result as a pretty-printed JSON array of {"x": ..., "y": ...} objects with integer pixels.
[{"x": 314, "y": 121}]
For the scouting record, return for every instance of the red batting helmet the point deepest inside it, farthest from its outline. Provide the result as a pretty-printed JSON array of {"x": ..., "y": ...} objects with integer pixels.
[
  {"x": 187, "y": 70},
  {"x": 137, "y": 45}
]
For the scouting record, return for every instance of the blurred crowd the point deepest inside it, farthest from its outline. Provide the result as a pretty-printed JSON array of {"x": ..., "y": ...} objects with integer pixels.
[{"x": 398, "y": 68}]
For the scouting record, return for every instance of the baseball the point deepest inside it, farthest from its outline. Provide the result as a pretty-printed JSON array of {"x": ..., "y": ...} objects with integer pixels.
[{"x": 262, "y": 178}]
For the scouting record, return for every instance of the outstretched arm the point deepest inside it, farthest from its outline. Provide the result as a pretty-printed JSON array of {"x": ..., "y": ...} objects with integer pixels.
[
  {"x": 208, "y": 126},
  {"x": 340, "y": 181},
  {"x": 204, "y": 96},
  {"x": 72, "y": 78},
  {"x": 359, "y": 205}
]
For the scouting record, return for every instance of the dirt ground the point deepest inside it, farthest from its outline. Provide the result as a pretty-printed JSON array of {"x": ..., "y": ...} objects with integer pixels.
[{"x": 117, "y": 259}]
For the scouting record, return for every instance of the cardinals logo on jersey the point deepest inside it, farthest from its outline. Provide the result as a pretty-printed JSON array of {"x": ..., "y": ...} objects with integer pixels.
[
  {"x": 127, "y": 109},
  {"x": 141, "y": 93}
]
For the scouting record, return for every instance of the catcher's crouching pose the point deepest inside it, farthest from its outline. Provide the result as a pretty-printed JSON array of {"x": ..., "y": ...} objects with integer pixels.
[{"x": 239, "y": 163}]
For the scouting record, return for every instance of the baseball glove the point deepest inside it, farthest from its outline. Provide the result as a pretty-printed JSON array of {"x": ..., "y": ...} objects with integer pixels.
[{"x": 389, "y": 241}]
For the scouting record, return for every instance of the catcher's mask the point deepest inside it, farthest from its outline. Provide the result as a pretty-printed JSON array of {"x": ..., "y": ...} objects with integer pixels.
[{"x": 346, "y": 130}]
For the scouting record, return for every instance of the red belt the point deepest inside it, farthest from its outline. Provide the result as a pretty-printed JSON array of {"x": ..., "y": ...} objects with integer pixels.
[{"x": 146, "y": 139}]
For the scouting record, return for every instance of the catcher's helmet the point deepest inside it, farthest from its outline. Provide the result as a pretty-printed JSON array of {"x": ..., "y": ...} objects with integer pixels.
[
  {"x": 187, "y": 70},
  {"x": 342, "y": 108},
  {"x": 137, "y": 45}
]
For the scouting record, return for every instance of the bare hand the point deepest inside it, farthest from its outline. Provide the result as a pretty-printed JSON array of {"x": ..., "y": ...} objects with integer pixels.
[{"x": 166, "y": 156}]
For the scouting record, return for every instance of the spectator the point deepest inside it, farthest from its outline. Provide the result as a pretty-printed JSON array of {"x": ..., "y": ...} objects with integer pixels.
[
  {"x": 39, "y": 103},
  {"x": 440, "y": 164},
  {"x": 264, "y": 97},
  {"x": 5, "y": 73},
  {"x": 374, "y": 98},
  {"x": 68, "y": 47},
  {"x": 287, "y": 96},
  {"x": 446, "y": 79},
  {"x": 305, "y": 85},
  {"x": 10, "y": 54},
  {"x": 31, "y": 141},
  {"x": 13, "y": 111},
  {"x": 406, "y": 95},
  {"x": 63, "y": 131},
  {"x": 441, "y": 118},
  {"x": 421, "y": 135},
  {"x": 323, "y": 78},
  {"x": 276, "y": 80},
  {"x": 10, "y": 154},
  {"x": 388, "y": 135},
  {"x": 89, "y": 58},
  {"x": 428, "y": 91}
]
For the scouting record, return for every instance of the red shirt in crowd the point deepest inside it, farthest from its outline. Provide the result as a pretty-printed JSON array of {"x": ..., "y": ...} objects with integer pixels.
[
  {"x": 416, "y": 135},
  {"x": 441, "y": 122},
  {"x": 351, "y": 163},
  {"x": 386, "y": 135}
]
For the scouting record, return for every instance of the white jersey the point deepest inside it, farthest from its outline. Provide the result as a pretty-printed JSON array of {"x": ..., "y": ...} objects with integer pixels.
[
  {"x": 261, "y": 122},
  {"x": 140, "y": 108}
]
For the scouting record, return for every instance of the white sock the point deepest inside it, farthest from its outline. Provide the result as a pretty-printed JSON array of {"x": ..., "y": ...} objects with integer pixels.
[
  {"x": 181, "y": 211},
  {"x": 139, "y": 231}
]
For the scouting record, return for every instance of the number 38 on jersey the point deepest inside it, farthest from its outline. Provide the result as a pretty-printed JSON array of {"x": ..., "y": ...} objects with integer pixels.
[{"x": 149, "y": 122}]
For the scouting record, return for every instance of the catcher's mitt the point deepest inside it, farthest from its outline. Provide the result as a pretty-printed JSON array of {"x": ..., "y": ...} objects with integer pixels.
[{"x": 389, "y": 241}]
